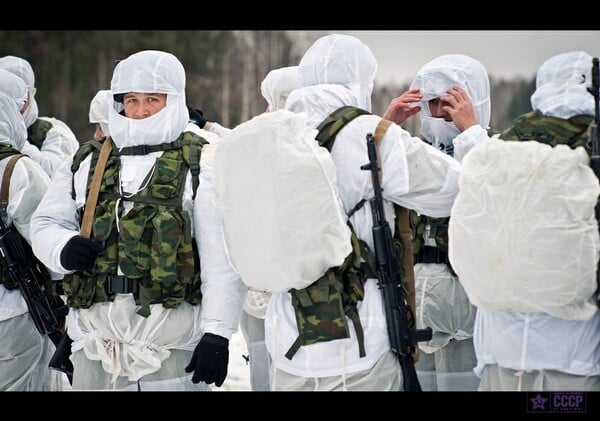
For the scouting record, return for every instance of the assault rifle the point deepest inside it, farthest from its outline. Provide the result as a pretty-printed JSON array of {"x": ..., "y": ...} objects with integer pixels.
[
  {"x": 400, "y": 320},
  {"x": 594, "y": 141},
  {"x": 29, "y": 276}
]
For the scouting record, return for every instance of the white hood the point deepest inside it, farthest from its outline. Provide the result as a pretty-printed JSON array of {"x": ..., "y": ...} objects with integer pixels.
[
  {"x": 13, "y": 94},
  {"x": 277, "y": 85},
  {"x": 340, "y": 60},
  {"x": 561, "y": 86},
  {"x": 99, "y": 105},
  {"x": 149, "y": 71},
  {"x": 435, "y": 78},
  {"x": 23, "y": 69}
]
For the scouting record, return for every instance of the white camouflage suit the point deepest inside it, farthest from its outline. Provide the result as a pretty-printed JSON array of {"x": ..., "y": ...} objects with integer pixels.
[
  {"x": 339, "y": 70},
  {"x": 446, "y": 362},
  {"x": 518, "y": 351},
  {"x": 24, "y": 352},
  {"x": 113, "y": 347}
]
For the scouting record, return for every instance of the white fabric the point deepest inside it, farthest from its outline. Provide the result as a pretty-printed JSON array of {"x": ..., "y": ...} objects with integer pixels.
[
  {"x": 341, "y": 60},
  {"x": 60, "y": 143},
  {"x": 435, "y": 78},
  {"x": 256, "y": 303},
  {"x": 562, "y": 84},
  {"x": 296, "y": 223},
  {"x": 24, "y": 358},
  {"x": 27, "y": 187},
  {"x": 149, "y": 71},
  {"x": 13, "y": 94},
  {"x": 277, "y": 85},
  {"x": 537, "y": 341},
  {"x": 442, "y": 305},
  {"x": 523, "y": 234},
  {"x": 21, "y": 68},
  {"x": 99, "y": 105},
  {"x": 130, "y": 345}
]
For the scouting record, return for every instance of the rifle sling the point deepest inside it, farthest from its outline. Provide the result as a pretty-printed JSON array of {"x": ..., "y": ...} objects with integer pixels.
[
  {"x": 403, "y": 228},
  {"x": 92, "y": 199}
]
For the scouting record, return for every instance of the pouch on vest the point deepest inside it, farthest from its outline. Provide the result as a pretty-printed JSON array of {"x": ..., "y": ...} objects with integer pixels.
[
  {"x": 276, "y": 196},
  {"x": 321, "y": 309}
]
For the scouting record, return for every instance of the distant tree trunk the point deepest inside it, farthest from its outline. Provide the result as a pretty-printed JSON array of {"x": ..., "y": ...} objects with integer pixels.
[{"x": 225, "y": 92}]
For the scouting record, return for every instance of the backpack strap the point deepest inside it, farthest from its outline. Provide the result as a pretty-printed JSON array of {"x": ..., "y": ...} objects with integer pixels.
[
  {"x": 92, "y": 199},
  {"x": 329, "y": 128}
]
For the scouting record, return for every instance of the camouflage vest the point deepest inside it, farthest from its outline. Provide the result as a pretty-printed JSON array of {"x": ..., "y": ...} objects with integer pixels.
[
  {"x": 36, "y": 133},
  {"x": 551, "y": 130},
  {"x": 322, "y": 307},
  {"x": 152, "y": 244}
]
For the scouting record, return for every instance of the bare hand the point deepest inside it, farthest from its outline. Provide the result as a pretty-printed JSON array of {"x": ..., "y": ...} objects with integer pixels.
[
  {"x": 459, "y": 106},
  {"x": 401, "y": 107}
]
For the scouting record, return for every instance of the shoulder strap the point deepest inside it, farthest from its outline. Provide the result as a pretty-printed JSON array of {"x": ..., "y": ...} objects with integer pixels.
[
  {"x": 92, "y": 199},
  {"x": 4, "y": 189},
  {"x": 329, "y": 128},
  {"x": 192, "y": 151}
]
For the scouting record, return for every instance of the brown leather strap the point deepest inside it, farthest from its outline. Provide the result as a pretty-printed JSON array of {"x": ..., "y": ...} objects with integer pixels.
[
  {"x": 380, "y": 130},
  {"x": 92, "y": 199},
  {"x": 403, "y": 228},
  {"x": 4, "y": 189}
]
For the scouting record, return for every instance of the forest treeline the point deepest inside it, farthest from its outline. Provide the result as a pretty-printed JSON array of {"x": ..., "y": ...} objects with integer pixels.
[{"x": 224, "y": 70}]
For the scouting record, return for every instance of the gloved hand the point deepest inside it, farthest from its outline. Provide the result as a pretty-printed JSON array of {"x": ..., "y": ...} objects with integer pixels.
[
  {"x": 210, "y": 359},
  {"x": 80, "y": 253},
  {"x": 197, "y": 117}
]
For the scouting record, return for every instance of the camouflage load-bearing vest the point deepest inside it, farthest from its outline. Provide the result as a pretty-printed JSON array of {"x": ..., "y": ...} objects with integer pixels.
[
  {"x": 153, "y": 244},
  {"x": 435, "y": 230},
  {"x": 36, "y": 133},
  {"x": 551, "y": 130},
  {"x": 322, "y": 307}
]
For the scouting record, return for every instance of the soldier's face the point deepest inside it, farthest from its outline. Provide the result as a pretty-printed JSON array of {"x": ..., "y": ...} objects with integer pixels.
[{"x": 139, "y": 105}]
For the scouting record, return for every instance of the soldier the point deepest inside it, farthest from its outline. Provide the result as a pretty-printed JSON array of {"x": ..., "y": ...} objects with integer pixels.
[
  {"x": 49, "y": 140},
  {"x": 133, "y": 280}
]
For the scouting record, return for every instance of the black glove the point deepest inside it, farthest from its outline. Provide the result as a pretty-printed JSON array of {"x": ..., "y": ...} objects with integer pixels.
[
  {"x": 80, "y": 253},
  {"x": 197, "y": 117},
  {"x": 210, "y": 359}
]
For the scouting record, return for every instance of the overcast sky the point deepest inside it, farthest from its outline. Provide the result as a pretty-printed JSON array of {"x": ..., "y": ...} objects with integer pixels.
[{"x": 504, "y": 53}]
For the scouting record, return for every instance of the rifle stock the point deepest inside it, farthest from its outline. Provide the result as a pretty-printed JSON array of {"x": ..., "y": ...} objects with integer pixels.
[{"x": 400, "y": 320}]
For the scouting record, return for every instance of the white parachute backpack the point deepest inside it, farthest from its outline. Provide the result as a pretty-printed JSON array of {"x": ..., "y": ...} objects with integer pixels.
[
  {"x": 523, "y": 234},
  {"x": 276, "y": 195}
]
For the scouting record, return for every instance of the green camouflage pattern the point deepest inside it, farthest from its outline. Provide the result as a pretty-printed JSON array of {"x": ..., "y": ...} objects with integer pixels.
[
  {"x": 438, "y": 232},
  {"x": 322, "y": 309},
  {"x": 153, "y": 243},
  {"x": 551, "y": 130},
  {"x": 36, "y": 133},
  {"x": 329, "y": 128}
]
